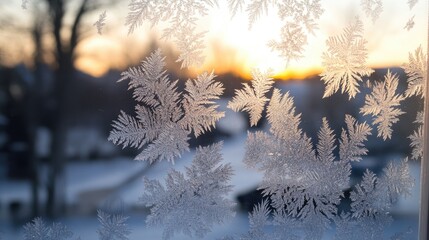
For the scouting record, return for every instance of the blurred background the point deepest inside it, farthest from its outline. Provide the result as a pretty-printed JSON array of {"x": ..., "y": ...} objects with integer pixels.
[{"x": 59, "y": 94}]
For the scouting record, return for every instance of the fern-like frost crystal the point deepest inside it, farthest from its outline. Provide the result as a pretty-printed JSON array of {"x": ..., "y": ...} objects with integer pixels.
[
  {"x": 383, "y": 104},
  {"x": 101, "y": 22},
  {"x": 410, "y": 24},
  {"x": 345, "y": 61},
  {"x": 292, "y": 176},
  {"x": 165, "y": 117},
  {"x": 375, "y": 196},
  {"x": 417, "y": 140},
  {"x": 416, "y": 70},
  {"x": 299, "y": 17},
  {"x": 372, "y": 8},
  {"x": 252, "y": 99},
  {"x": 39, "y": 230},
  {"x": 181, "y": 17},
  {"x": 412, "y": 3},
  {"x": 113, "y": 227},
  {"x": 191, "y": 203}
]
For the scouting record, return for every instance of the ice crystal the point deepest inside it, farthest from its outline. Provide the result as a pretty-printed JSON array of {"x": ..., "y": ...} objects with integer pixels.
[
  {"x": 298, "y": 17},
  {"x": 166, "y": 117},
  {"x": 372, "y": 200},
  {"x": 258, "y": 219},
  {"x": 181, "y": 17},
  {"x": 257, "y": 8},
  {"x": 252, "y": 98},
  {"x": 292, "y": 176},
  {"x": 417, "y": 140},
  {"x": 345, "y": 61},
  {"x": 191, "y": 203},
  {"x": 372, "y": 8},
  {"x": 235, "y": 6},
  {"x": 410, "y": 24},
  {"x": 39, "y": 230},
  {"x": 375, "y": 196},
  {"x": 292, "y": 42},
  {"x": 412, "y": 3},
  {"x": 302, "y": 12},
  {"x": 383, "y": 105},
  {"x": 101, "y": 22},
  {"x": 416, "y": 70},
  {"x": 113, "y": 227},
  {"x": 367, "y": 227}
]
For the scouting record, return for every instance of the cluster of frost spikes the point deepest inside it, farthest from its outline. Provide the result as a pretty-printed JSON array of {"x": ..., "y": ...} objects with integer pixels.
[
  {"x": 416, "y": 70},
  {"x": 113, "y": 227},
  {"x": 181, "y": 17},
  {"x": 39, "y": 230},
  {"x": 417, "y": 139},
  {"x": 298, "y": 17},
  {"x": 372, "y": 8},
  {"x": 165, "y": 117},
  {"x": 191, "y": 203},
  {"x": 345, "y": 61},
  {"x": 372, "y": 200},
  {"x": 101, "y": 22},
  {"x": 293, "y": 175},
  {"x": 383, "y": 104}
]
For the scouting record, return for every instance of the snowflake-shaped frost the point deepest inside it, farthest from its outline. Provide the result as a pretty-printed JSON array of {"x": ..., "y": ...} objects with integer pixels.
[
  {"x": 113, "y": 227},
  {"x": 39, "y": 230},
  {"x": 417, "y": 140},
  {"x": 181, "y": 17},
  {"x": 410, "y": 24},
  {"x": 383, "y": 104},
  {"x": 412, "y": 3},
  {"x": 372, "y": 8},
  {"x": 191, "y": 203},
  {"x": 101, "y": 22},
  {"x": 375, "y": 196},
  {"x": 166, "y": 117},
  {"x": 292, "y": 176},
  {"x": 252, "y": 99},
  {"x": 345, "y": 61},
  {"x": 416, "y": 70},
  {"x": 291, "y": 44},
  {"x": 299, "y": 17}
]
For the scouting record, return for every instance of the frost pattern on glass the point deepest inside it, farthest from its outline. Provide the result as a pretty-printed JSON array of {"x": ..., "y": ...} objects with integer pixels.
[
  {"x": 293, "y": 178},
  {"x": 180, "y": 17},
  {"x": 252, "y": 97},
  {"x": 412, "y": 3},
  {"x": 39, "y": 230},
  {"x": 383, "y": 105},
  {"x": 410, "y": 24},
  {"x": 417, "y": 140},
  {"x": 372, "y": 201},
  {"x": 101, "y": 22},
  {"x": 299, "y": 17},
  {"x": 372, "y": 8},
  {"x": 416, "y": 70},
  {"x": 191, "y": 203},
  {"x": 112, "y": 227},
  {"x": 165, "y": 117},
  {"x": 345, "y": 61}
]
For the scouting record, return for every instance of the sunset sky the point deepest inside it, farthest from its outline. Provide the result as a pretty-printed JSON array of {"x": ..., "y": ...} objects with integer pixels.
[{"x": 232, "y": 47}]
